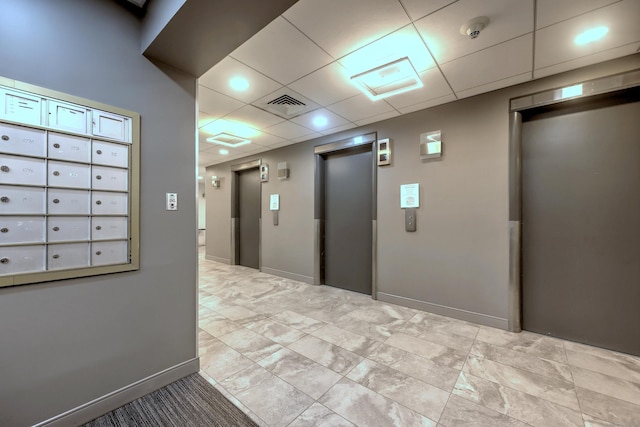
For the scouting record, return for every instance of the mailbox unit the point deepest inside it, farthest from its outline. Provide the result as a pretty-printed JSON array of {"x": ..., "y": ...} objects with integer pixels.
[{"x": 69, "y": 179}]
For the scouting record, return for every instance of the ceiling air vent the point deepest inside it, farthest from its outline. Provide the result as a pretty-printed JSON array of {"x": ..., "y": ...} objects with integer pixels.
[{"x": 286, "y": 103}]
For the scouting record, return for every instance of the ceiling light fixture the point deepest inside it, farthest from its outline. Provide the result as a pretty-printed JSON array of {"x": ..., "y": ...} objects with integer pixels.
[
  {"x": 591, "y": 35},
  {"x": 389, "y": 79},
  {"x": 228, "y": 140},
  {"x": 320, "y": 121},
  {"x": 223, "y": 151},
  {"x": 239, "y": 84}
]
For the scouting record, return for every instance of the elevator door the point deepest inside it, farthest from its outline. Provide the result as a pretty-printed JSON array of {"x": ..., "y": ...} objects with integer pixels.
[
  {"x": 581, "y": 226},
  {"x": 348, "y": 220},
  {"x": 249, "y": 217}
]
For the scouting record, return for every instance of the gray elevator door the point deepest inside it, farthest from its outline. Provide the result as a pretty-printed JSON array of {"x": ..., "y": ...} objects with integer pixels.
[
  {"x": 249, "y": 214},
  {"x": 581, "y": 226},
  {"x": 348, "y": 220}
]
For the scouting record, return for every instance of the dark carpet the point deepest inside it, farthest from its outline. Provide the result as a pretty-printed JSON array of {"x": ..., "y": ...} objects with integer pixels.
[{"x": 189, "y": 402}]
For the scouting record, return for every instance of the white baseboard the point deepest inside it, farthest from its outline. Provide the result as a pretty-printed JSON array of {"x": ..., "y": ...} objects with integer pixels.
[
  {"x": 443, "y": 310},
  {"x": 288, "y": 275},
  {"x": 107, "y": 403}
]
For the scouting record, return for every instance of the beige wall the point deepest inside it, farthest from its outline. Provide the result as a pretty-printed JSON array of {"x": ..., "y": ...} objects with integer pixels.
[{"x": 457, "y": 262}]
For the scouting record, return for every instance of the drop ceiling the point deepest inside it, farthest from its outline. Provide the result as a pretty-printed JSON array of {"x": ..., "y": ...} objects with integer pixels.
[{"x": 310, "y": 52}]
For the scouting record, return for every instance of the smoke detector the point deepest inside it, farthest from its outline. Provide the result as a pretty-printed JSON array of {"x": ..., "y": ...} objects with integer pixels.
[{"x": 473, "y": 26}]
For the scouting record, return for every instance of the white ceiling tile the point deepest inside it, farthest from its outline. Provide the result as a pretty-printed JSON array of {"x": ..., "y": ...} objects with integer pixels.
[
  {"x": 340, "y": 26},
  {"x": 220, "y": 75},
  {"x": 441, "y": 30},
  {"x": 267, "y": 140},
  {"x": 499, "y": 84},
  {"x": 331, "y": 120},
  {"x": 606, "y": 55},
  {"x": 553, "y": 11},
  {"x": 288, "y": 130},
  {"x": 282, "y": 52},
  {"x": 427, "y": 104},
  {"x": 419, "y": 8},
  {"x": 378, "y": 118},
  {"x": 327, "y": 85},
  {"x": 360, "y": 107},
  {"x": 204, "y": 118},
  {"x": 489, "y": 65},
  {"x": 254, "y": 117},
  {"x": 555, "y": 44},
  {"x": 232, "y": 127},
  {"x": 339, "y": 129},
  {"x": 216, "y": 104},
  {"x": 435, "y": 86},
  {"x": 405, "y": 42},
  {"x": 308, "y": 137}
]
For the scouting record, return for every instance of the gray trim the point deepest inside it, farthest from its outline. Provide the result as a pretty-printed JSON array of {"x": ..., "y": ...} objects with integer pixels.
[
  {"x": 107, "y": 403},
  {"x": 589, "y": 88},
  {"x": 515, "y": 285},
  {"x": 374, "y": 258},
  {"x": 217, "y": 259},
  {"x": 346, "y": 143},
  {"x": 515, "y": 166},
  {"x": 260, "y": 237},
  {"x": 246, "y": 165},
  {"x": 456, "y": 313},
  {"x": 235, "y": 235},
  {"x": 288, "y": 275},
  {"x": 317, "y": 251},
  {"x": 514, "y": 303}
]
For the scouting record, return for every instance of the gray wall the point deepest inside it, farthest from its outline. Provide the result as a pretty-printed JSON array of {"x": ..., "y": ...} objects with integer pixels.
[
  {"x": 159, "y": 13},
  {"x": 65, "y": 343},
  {"x": 457, "y": 261}
]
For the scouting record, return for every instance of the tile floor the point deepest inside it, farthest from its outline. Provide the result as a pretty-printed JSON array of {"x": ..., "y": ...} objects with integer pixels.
[{"x": 292, "y": 354}]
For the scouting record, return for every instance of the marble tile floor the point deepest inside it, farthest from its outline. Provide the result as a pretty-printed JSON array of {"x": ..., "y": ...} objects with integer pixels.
[{"x": 292, "y": 354}]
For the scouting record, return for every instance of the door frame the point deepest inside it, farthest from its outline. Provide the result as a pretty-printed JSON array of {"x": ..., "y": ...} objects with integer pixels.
[
  {"x": 235, "y": 212},
  {"x": 518, "y": 106},
  {"x": 320, "y": 153}
]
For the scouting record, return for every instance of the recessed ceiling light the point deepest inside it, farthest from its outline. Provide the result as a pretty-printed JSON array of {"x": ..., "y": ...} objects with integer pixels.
[
  {"x": 239, "y": 84},
  {"x": 389, "y": 79},
  {"x": 591, "y": 35},
  {"x": 223, "y": 151},
  {"x": 320, "y": 121},
  {"x": 228, "y": 140}
]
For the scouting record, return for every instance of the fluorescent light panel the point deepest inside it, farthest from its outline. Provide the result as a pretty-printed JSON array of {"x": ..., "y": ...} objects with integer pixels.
[
  {"x": 228, "y": 140},
  {"x": 389, "y": 79}
]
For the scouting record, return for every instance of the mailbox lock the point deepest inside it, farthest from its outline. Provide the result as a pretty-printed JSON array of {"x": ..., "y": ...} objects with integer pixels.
[
  {"x": 98, "y": 202},
  {"x": 56, "y": 228},
  {"x": 56, "y": 145},
  {"x": 98, "y": 227},
  {"x": 4, "y": 260},
  {"x": 56, "y": 200},
  {"x": 98, "y": 151},
  {"x": 56, "y": 173},
  {"x": 5, "y": 137},
  {"x": 98, "y": 253},
  {"x": 4, "y": 199},
  {"x": 55, "y": 256},
  {"x": 4, "y": 230},
  {"x": 99, "y": 177},
  {"x": 4, "y": 168}
]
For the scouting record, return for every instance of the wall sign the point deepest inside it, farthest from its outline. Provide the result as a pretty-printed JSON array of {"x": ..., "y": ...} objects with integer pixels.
[{"x": 410, "y": 196}]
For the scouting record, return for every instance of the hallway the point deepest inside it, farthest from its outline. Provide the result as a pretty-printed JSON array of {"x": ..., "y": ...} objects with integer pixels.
[{"x": 292, "y": 354}]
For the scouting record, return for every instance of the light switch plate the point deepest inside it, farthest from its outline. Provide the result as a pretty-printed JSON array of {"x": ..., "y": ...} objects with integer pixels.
[{"x": 172, "y": 201}]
